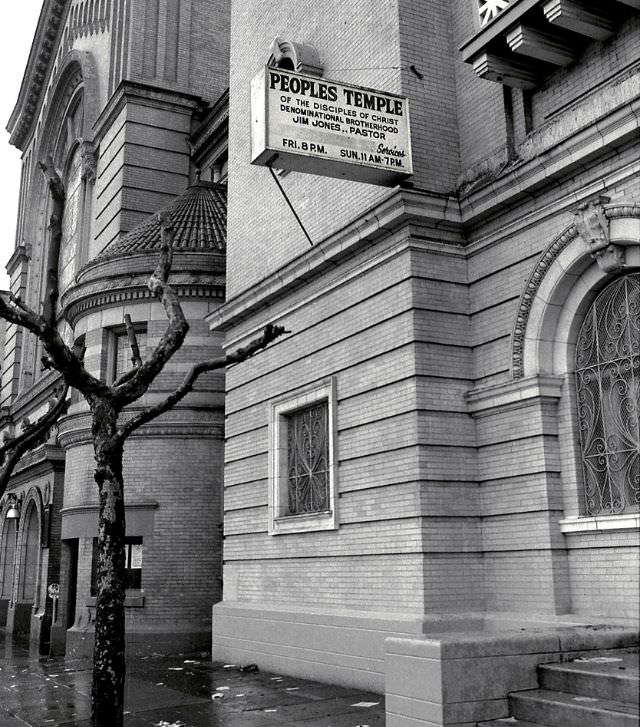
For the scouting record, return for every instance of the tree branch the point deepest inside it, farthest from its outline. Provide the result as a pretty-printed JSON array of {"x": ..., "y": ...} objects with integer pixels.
[
  {"x": 13, "y": 449},
  {"x": 62, "y": 358},
  {"x": 58, "y": 197},
  {"x": 269, "y": 334},
  {"x": 133, "y": 342},
  {"x": 130, "y": 388}
]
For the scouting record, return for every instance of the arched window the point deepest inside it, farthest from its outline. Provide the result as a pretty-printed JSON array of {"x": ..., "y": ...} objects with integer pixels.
[
  {"x": 31, "y": 551},
  {"x": 7, "y": 558},
  {"x": 72, "y": 221},
  {"x": 608, "y": 390}
]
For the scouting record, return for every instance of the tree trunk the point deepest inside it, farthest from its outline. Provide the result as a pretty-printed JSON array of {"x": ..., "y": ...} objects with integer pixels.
[{"x": 107, "y": 693}]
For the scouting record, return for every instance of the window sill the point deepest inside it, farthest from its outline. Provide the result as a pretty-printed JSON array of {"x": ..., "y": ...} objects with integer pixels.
[
  {"x": 130, "y": 601},
  {"x": 600, "y": 523},
  {"x": 307, "y": 522}
]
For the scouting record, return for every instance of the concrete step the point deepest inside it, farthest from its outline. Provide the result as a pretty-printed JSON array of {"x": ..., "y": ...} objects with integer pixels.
[
  {"x": 612, "y": 678},
  {"x": 510, "y": 722},
  {"x": 559, "y": 709}
]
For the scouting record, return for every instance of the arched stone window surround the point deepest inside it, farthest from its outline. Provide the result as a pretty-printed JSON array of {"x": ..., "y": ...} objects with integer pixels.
[
  {"x": 559, "y": 291},
  {"x": 29, "y": 547},
  {"x": 557, "y": 296},
  {"x": 75, "y": 81}
]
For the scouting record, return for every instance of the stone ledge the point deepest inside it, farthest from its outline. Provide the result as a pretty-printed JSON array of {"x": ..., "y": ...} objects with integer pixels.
[
  {"x": 520, "y": 392},
  {"x": 600, "y": 523}
]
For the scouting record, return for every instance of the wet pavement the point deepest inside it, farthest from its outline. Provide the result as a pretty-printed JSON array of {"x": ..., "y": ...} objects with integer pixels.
[{"x": 180, "y": 691}]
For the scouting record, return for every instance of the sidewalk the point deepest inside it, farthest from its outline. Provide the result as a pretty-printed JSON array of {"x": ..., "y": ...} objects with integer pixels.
[{"x": 181, "y": 691}]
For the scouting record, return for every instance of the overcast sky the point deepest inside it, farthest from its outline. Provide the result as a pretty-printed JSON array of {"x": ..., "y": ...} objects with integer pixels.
[{"x": 19, "y": 20}]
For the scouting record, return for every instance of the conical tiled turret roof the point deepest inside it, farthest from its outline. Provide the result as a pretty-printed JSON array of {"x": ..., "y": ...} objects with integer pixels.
[{"x": 199, "y": 216}]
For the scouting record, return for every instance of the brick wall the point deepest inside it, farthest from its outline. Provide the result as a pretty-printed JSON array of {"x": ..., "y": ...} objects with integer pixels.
[
  {"x": 324, "y": 205},
  {"x": 143, "y": 165}
]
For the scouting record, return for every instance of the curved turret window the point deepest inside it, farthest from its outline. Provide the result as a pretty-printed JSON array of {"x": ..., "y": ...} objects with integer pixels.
[{"x": 608, "y": 390}]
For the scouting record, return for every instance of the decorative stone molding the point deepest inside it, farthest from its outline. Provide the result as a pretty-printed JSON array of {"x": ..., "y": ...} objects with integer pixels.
[
  {"x": 42, "y": 460},
  {"x": 121, "y": 295},
  {"x": 610, "y": 259},
  {"x": 75, "y": 76},
  {"x": 37, "y": 71},
  {"x": 304, "y": 57},
  {"x": 89, "y": 161},
  {"x": 592, "y": 224},
  {"x": 211, "y": 135},
  {"x": 514, "y": 394},
  {"x": 593, "y": 227},
  {"x": 75, "y": 430},
  {"x": 606, "y": 232}
]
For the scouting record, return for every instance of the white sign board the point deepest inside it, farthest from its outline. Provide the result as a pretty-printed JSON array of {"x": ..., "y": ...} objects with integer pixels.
[{"x": 310, "y": 124}]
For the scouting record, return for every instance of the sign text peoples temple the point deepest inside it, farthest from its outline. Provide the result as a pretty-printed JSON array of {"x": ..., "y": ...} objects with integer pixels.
[{"x": 309, "y": 124}]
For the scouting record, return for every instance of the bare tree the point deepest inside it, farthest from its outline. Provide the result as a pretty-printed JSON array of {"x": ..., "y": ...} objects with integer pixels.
[{"x": 106, "y": 403}]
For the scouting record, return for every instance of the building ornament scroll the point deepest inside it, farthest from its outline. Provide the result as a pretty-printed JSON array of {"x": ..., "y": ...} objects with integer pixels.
[{"x": 593, "y": 225}]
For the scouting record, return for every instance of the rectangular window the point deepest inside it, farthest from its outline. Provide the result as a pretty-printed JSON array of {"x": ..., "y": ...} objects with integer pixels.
[
  {"x": 308, "y": 459},
  {"x": 121, "y": 357},
  {"x": 302, "y": 463},
  {"x": 132, "y": 560}
]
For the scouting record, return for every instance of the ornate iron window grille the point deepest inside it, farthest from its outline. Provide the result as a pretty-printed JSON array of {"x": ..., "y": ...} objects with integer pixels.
[
  {"x": 308, "y": 459},
  {"x": 608, "y": 392}
]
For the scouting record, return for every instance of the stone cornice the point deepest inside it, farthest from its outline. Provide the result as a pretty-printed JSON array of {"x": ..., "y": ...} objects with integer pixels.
[
  {"x": 74, "y": 438},
  {"x": 39, "y": 461},
  {"x": 35, "y": 395},
  {"x": 402, "y": 208},
  {"x": 208, "y": 262},
  {"x": 148, "y": 505},
  {"x": 39, "y": 64},
  {"x": 105, "y": 283},
  {"x": 20, "y": 255},
  {"x": 551, "y": 153},
  {"x": 136, "y": 292},
  {"x": 213, "y": 128},
  {"x": 182, "y": 421},
  {"x": 522, "y": 392}
]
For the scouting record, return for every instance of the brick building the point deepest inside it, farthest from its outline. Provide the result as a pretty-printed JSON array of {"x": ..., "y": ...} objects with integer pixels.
[
  {"x": 111, "y": 96},
  {"x": 436, "y": 471},
  {"x": 447, "y": 441}
]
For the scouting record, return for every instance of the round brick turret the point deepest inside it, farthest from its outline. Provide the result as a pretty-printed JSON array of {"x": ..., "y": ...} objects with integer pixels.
[{"x": 173, "y": 465}]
